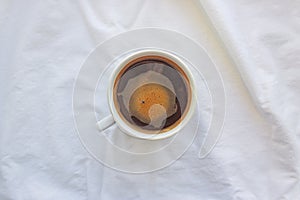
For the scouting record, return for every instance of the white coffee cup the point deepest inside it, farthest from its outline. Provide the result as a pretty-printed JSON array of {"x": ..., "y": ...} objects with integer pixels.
[{"x": 115, "y": 117}]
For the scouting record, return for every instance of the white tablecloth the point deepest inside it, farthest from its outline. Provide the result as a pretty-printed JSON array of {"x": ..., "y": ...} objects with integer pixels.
[{"x": 256, "y": 46}]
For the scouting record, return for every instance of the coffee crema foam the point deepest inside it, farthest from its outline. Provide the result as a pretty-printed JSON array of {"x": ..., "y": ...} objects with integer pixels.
[{"x": 152, "y": 94}]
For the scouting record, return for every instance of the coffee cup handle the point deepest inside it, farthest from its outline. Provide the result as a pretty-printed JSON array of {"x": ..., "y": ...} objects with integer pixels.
[{"x": 105, "y": 123}]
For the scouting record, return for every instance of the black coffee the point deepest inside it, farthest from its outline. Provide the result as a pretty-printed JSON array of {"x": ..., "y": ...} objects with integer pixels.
[{"x": 152, "y": 93}]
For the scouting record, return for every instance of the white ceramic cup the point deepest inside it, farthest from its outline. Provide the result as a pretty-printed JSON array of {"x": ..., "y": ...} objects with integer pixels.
[{"x": 115, "y": 117}]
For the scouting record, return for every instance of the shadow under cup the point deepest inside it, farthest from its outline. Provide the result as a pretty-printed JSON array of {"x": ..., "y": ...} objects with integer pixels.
[{"x": 152, "y": 94}]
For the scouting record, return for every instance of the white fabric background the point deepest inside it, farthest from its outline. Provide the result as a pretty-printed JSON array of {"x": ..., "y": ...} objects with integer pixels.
[{"x": 256, "y": 46}]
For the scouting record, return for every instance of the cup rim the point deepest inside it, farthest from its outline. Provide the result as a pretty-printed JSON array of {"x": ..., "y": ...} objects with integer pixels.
[{"x": 120, "y": 122}]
